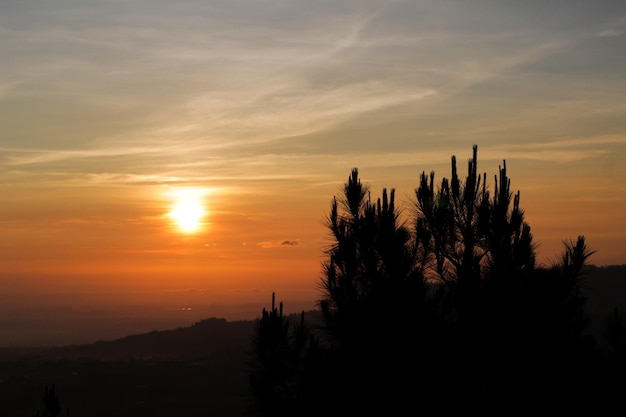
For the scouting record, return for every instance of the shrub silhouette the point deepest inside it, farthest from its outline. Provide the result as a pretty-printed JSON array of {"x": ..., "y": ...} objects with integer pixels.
[
  {"x": 51, "y": 404},
  {"x": 451, "y": 305},
  {"x": 50, "y": 399}
]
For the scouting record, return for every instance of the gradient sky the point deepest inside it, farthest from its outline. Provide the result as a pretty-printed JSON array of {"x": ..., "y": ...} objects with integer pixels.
[{"x": 108, "y": 109}]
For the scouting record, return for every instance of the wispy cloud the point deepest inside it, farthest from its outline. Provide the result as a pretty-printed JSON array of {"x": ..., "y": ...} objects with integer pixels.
[
  {"x": 611, "y": 33},
  {"x": 17, "y": 157},
  {"x": 292, "y": 110},
  {"x": 615, "y": 27}
]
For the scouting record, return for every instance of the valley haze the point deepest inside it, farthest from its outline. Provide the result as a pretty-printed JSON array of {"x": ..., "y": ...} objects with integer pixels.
[{"x": 63, "y": 322}]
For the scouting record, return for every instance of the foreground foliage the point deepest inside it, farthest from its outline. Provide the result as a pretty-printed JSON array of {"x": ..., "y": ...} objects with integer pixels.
[{"x": 450, "y": 310}]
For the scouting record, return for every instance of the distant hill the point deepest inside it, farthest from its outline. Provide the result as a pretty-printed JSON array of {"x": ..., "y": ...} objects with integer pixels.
[
  {"x": 193, "y": 371},
  {"x": 202, "y": 339},
  {"x": 205, "y": 338}
]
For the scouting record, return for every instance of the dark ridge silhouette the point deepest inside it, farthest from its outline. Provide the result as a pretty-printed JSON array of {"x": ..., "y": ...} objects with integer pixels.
[
  {"x": 198, "y": 370},
  {"x": 203, "y": 339}
]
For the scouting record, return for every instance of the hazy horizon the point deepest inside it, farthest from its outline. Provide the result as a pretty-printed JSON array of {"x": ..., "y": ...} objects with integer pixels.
[{"x": 78, "y": 319}]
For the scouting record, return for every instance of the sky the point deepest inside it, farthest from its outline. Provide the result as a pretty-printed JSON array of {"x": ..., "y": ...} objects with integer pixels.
[{"x": 115, "y": 113}]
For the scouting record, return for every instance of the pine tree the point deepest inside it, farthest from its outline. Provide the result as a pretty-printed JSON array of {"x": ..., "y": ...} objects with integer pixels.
[
  {"x": 375, "y": 299},
  {"x": 453, "y": 306},
  {"x": 284, "y": 362}
]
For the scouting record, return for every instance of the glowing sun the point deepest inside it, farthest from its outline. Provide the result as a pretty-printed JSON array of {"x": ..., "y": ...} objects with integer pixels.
[{"x": 188, "y": 210}]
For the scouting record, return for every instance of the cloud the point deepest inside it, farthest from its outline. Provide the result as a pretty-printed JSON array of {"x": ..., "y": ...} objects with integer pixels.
[
  {"x": 280, "y": 244},
  {"x": 562, "y": 151},
  {"x": 27, "y": 156},
  {"x": 611, "y": 33},
  {"x": 291, "y": 108}
]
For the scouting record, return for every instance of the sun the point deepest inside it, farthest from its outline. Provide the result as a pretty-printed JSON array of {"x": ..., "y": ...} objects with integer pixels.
[{"x": 188, "y": 211}]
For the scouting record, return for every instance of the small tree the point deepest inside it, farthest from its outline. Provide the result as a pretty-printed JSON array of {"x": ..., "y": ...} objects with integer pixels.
[
  {"x": 375, "y": 301},
  {"x": 370, "y": 263},
  {"x": 51, "y": 404},
  {"x": 281, "y": 368},
  {"x": 50, "y": 399}
]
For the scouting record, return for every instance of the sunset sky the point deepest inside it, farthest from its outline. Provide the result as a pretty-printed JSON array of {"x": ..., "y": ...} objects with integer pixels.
[{"x": 113, "y": 112}]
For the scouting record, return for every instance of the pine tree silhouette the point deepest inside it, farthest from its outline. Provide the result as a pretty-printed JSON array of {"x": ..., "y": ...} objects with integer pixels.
[
  {"x": 450, "y": 309},
  {"x": 51, "y": 405}
]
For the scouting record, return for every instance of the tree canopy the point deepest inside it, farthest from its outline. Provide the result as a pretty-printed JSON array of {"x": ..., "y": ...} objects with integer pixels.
[{"x": 449, "y": 305}]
